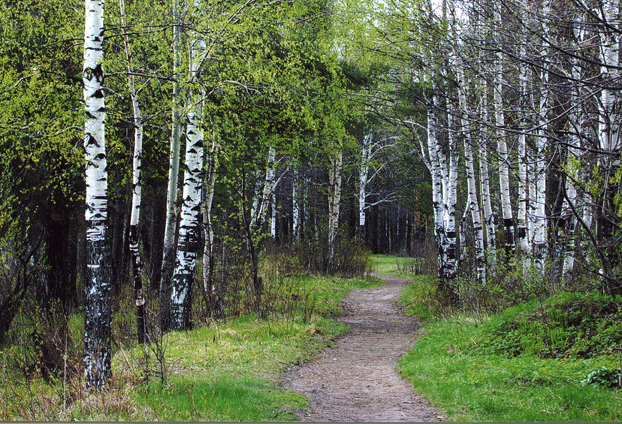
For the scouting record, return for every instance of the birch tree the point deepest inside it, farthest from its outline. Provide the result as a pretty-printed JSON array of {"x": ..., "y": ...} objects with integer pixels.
[
  {"x": 502, "y": 148},
  {"x": 98, "y": 286},
  {"x": 170, "y": 230},
  {"x": 334, "y": 200},
  {"x": 209, "y": 285},
  {"x": 539, "y": 197},
  {"x": 183, "y": 277},
  {"x": 472, "y": 201},
  {"x": 136, "y": 184}
]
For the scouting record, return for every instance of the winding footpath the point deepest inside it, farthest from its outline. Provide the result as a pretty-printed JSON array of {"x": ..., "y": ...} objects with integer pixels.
[{"x": 355, "y": 379}]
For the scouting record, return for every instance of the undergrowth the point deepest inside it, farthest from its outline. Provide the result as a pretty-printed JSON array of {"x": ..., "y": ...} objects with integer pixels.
[{"x": 227, "y": 372}]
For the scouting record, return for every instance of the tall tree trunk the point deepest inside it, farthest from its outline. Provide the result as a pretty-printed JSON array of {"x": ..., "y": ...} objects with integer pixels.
[
  {"x": 296, "y": 212},
  {"x": 136, "y": 185},
  {"x": 363, "y": 180},
  {"x": 334, "y": 203},
  {"x": 523, "y": 185},
  {"x": 504, "y": 161},
  {"x": 540, "y": 222},
  {"x": 451, "y": 198},
  {"x": 214, "y": 296},
  {"x": 440, "y": 189},
  {"x": 98, "y": 298},
  {"x": 608, "y": 123},
  {"x": 187, "y": 249},
  {"x": 572, "y": 177},
  {"x": 489, "y": 217},
  {"x": 263, "y": 201},
  {"x": 168, "y": 261},
  {"x": 472, "y": 202}
]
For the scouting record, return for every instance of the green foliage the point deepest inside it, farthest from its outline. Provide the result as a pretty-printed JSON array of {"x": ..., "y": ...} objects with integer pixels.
[
  {"x": 606, "y": 377},
  {"x": 569, "y": 325}
]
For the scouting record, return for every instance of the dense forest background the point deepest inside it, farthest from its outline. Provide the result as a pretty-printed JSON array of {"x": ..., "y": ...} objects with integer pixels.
[{"x": 482, "y": 137}]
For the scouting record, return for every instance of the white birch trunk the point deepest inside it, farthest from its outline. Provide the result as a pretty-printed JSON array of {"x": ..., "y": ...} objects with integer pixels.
[
  {"x": 136, "y": 186},
  {"x": 363, "y": 174},
  {"x": 608, "y": 127},
  {"x": 504, "y": 164},
  {"x": 572, "y": 195},
  {"x": 489, "y": 217},
  {"x": 183, "y": 277},
  {"x": 523, "y": 185},
  {"x": 451, "y": 185},
  {"x": 540, "y": 224},
  {"x": 437, "y": 192},
  {"x": 97, "y": 280},
  {"x": 168, "y": 262},
  {"x": 273, "y": 215},
  {"x": 295, "y": 207},
  {"x": 334, "y": 203},
  {"x": 472, "y": 202},
  {"x": 263, "y": 201}
]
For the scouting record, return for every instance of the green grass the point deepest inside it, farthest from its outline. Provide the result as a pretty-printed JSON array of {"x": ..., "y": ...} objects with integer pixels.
[
  {"x": 487, "y": 387},
  {"x": 387, "y": 265},
  {"x": 529, "y": 363},
  {"x": 227, "y": 372},
  {"x": 420, "y": 300}
]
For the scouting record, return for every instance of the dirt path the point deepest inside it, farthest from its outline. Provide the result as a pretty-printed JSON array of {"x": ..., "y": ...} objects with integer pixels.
[{"x": 355, "y": 379}]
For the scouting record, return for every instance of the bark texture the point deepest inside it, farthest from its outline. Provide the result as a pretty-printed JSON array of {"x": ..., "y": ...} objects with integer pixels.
[{"x": 97, "y": 279}]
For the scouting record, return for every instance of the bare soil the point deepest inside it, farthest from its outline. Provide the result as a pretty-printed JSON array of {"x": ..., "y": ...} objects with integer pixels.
[{"x": 355, "y": 379}]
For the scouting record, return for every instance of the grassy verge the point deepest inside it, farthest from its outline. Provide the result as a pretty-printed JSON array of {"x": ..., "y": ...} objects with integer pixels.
[
  {"x": 227, "y": 372},
  {"x": 555, "y": 360}
]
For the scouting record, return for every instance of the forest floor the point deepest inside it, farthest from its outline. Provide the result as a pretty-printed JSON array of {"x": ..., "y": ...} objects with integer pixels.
[{"x": 355, "y": 379}]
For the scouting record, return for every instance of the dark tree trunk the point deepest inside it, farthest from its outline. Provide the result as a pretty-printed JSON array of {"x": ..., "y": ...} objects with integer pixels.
[{"x": 61, "y": 251}]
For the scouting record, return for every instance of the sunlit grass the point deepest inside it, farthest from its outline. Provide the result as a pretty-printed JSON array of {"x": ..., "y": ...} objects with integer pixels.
[
  {"x": 227, "y": 372},
  {"x": 387, "y": 265},
  {"x": 471, "y": 387},
  {"x": 462, "y": 364},
  {"x": 230, "y": 371}
]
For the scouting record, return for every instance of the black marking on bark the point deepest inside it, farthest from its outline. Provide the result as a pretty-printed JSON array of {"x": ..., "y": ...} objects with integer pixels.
[{"x": 91, "y": 141}]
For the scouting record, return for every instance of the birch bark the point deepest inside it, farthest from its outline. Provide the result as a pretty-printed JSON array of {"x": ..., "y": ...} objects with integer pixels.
[
  {"x": 295, "y": 206},
  {"x": 451, "y": 198},
  {"x": 363, "y": 174},
  {"x": 502, "y": 148},
  {"x": 261, "y": 203},
  {"x": 440, "y": 197},
  {"x": 134, "y": 236},
  {"x": 168, "y": 261},
  {"x": 183, "y": 277},
  {"x": 540, "y": 223},
  {"x": 97, "y": 279},
  {"x": 489, "y": 217},
  {"x": 472, "y": 202},
  {"x": 574, "y": 141},
  {"x": 523, "y": 184},
  {"x": 334, "y": 202}
]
